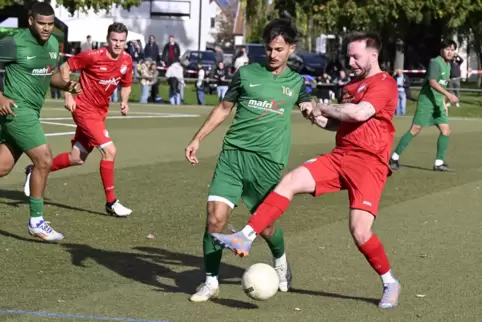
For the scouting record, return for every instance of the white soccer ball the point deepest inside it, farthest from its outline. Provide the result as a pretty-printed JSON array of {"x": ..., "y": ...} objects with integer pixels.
[{"x": 260, "y": 281}]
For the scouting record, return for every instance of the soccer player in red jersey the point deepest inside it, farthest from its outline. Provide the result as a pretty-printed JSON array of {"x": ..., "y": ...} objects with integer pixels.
[
  {"x": 358, "y": 163},
  {"x": 101, "y": 71}
]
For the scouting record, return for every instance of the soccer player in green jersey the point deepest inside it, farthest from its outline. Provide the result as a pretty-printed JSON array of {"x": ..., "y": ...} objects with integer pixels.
[
  {"x": 255, "y": 150},
  {"x": 30, "y": 57},
  {"x": 432, "y": 107}
]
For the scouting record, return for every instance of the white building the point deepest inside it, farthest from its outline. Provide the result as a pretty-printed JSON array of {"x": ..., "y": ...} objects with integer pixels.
[{"x": 189, "y": 21}]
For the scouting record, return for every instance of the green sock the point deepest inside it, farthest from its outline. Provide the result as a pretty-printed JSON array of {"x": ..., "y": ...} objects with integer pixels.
[
  {"x": 213, "y": 253},
  {"x": 442, "y": 144},
  {"x": 36, "y": 206},
  {"x": 276, "y": 242},
  {"x": 404, "y": 142}
]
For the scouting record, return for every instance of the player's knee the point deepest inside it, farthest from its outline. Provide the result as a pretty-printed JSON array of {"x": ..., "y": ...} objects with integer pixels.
[
  {"x": 76, "y": 160},
  {"x": 5, "y": 169},
  {"x": 445, "y": 130},
  {"x": 109, "y": 151},
  {"x": 217, "y": 218},
  {"x": 297, "y": 181},
  {"x": 415, "y": 129},
  {"x": 268, "y": 231},
  {"x": 361, "y": 233}
]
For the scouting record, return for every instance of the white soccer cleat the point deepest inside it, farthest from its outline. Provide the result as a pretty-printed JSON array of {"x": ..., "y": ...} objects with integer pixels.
[
  {"x": 204, "y": 293},
  {"x": 116, "y": 209},
  {"x": 45, "y": 231},
  {"x": 285, "y": 277},
  {"x": 28, "y": 174}
]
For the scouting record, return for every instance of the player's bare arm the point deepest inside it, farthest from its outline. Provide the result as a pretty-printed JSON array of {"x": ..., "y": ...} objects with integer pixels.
[
  {"x": 217, "y": 116},
  {"x": 68, "y": 85},
  {"x": 348, "y": 112},
  {"x": 69, "y": 103},
  {"x": 125, "y": 93},
  {"x": 326, "y": 123},
  {"x": 436, "y": 86}
]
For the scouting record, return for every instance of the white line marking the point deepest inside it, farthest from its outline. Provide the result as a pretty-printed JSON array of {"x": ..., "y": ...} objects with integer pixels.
[
  {"x": 56, "y": 123},
  {"x": 164, "y": 115},
  {"x": 60, "y": 134}
]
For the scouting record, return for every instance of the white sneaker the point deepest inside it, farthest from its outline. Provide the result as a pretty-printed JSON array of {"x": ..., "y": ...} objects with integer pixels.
[
  {"x": 204, "y": 293},
  {"x": 116, "y": 209},
  {"x": 285, "y": 277},
  {"x": 28, "y": 174},
  {"x": 44, "y": 231}
]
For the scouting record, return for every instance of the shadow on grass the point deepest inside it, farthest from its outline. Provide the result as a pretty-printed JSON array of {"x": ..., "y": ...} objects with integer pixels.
[{"x": 157, "y": 267}]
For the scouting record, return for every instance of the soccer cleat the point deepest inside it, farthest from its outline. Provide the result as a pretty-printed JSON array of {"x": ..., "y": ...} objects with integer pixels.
[
  {"x": 116, "y": 209},
  {"x": 391, "y": 292},
  {"x": 238, "y": 243},
  {"x": 45, "y": 231},
  {"x": 285, "y": 277},
  {"x": 443, "y": 167},
  {"x": 204, "y": 293},
  {"x": 394, "y": 164},
  {"x": 28, "y": 174}
]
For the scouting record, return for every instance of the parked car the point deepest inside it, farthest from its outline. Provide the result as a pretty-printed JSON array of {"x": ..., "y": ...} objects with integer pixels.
[
  {"x": 190, "y": 60},
  {"x": 305, "y": 62}
]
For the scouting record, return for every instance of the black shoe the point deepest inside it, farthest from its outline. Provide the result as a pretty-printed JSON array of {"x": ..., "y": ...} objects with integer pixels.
[
  {"x": 394, "y": 164},
  {"x": 443, "y": 167}
]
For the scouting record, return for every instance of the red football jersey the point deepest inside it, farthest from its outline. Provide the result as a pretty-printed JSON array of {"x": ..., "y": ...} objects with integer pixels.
[
  {"x": 374, "y": 136},
  {"x": 99, "y": 77}
]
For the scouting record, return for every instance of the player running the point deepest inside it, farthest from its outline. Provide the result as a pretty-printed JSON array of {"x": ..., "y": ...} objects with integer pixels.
[
  {"x": 100, "y": 72},
  {"x": 255, "y": 150},
  {"x": 30, "y": 57},
  {"x": 358, "y": 163},
  {"x": 432, "y": 108}
]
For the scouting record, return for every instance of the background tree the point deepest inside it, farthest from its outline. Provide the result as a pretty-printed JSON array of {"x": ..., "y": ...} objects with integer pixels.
[{"x": 84, "y": 5}]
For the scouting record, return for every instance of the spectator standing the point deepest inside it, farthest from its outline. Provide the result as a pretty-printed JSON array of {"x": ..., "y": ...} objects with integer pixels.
[
  {"x": 175, "y": 79},
  {"x": 171, "y": 52},
  {"x": 220, "y": 76},
  {"x": 455, "y": 75},
  {"x": 152, "y": 49},
  {"x": 87, "y": 45},
  {"x": 200, "y": 83},
  {"x": 402, "y": 84}
]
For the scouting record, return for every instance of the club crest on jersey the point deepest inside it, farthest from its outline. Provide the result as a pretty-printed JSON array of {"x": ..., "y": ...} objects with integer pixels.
[
  {"x": 361, "y": 88},
  {"x": 123, "y": 69},
  {"x": 108, "y": 82}
]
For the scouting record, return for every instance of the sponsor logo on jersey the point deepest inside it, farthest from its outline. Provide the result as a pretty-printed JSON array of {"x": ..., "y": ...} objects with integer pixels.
[
  {"x": 267, "y": 106},
  {"x": 110, "y": 82},
  {"x": 46, "y": 71}
]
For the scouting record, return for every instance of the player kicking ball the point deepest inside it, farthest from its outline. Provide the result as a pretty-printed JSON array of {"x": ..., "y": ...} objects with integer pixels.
[
  {"x": 100, "y": 72},
  {"x": 30, "y": 57},
  {"x": 255, "y": 150},
  {"x": 432, "y": 107},
  {"x": 358, "y": 163}
]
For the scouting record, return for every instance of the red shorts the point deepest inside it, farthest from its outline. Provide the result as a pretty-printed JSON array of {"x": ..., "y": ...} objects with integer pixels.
[
  {"x": 90, "y": 133},
  {"x": 364, "y": 177}
]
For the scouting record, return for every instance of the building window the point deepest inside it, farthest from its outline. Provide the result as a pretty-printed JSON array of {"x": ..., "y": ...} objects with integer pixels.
[
  {"x": 213, "y": 22},
  {"x": 170, "y": 9}
]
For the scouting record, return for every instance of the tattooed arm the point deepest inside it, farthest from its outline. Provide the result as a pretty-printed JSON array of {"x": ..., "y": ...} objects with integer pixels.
[
  {"x": 326, "y": 123},
  {"x": 348, "y": 112}
]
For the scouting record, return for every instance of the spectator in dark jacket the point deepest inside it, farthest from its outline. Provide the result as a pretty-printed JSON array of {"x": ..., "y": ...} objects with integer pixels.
[
  {"x": 152, "y": 49},
  {"x": 220, "y": 76},
  {"x": 455, "y": 75},
  {"x": 171, "y": 52}
]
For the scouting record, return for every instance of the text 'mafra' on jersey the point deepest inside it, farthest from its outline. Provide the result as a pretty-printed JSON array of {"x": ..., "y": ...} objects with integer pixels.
[
  {"x": 28, "y": 67},
  {"x": 262, "y": 123},
  {"x": 99, "y": 77}
]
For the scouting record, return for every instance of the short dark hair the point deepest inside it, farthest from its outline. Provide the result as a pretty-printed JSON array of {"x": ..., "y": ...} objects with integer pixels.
[
  {"x": 372, "y": 39},
  {"x": 448, "y": 43},
  {"x": 118, "y": 27},
  {"x": 42, "y": 9},
  {"x": 280, "y": 27}
]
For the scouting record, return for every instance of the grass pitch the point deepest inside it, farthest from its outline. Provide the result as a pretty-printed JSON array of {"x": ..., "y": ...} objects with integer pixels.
[{"x": 106, "y": 268}]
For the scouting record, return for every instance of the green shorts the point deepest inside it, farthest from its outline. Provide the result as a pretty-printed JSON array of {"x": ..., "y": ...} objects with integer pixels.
[
  {"x": 22, "y": 132},
  {"x": 429, "y": 113},
  {"x": 243, "y": 175}
]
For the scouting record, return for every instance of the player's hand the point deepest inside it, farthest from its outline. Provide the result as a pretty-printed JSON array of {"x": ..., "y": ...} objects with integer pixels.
[
  {"x": 74, "y": 87},
  {"x": 191, "y": 150},
  {"x": 124, "y": 108},
  {"x": 6, "y": 105},
  {"x": 69, "y": 103},
  {"x": 306, "y": 108},
  {"x": 452, "y": 98}
]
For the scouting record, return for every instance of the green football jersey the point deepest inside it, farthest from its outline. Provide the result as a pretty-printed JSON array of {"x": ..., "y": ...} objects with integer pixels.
[
  {"x": 438, "y": 70},
  {"x": 28, "y": 67},
  {"x": 264, "y": 101}
]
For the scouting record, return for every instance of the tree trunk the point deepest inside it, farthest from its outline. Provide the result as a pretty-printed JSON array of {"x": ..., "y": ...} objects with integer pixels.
[
  {"x": 399, "y": 54},
  {"x": 310, "y": 29}
]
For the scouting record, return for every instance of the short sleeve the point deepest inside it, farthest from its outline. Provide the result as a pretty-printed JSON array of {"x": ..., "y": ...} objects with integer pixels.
[
  {"x": 81, "y": 61},
  {"x": 380, "y": 93},
  {"x": 126, "y": 79},
  {"x": 303, "y": 96},
  {"x": 234, "y": 89},
  {"x": 8, "y": 49},
  {"x": 434, "y": 70}
]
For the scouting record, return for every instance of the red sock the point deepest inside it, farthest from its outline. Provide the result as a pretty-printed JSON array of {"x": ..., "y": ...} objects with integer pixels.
[
  {"x": 375, "y": 254},
  {"x": 107, "y": 176},
  {"x": 60, "y": 162},
  {"x": 272, "y": 207}
]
